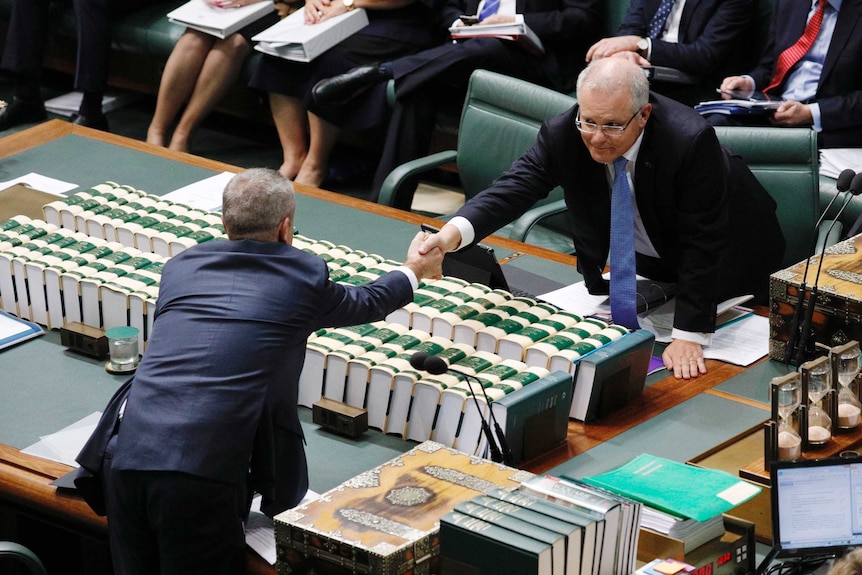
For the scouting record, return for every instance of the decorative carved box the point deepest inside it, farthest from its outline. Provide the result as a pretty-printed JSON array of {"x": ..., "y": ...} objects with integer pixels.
[
  {"x": 837, "y": 314},
  {"x": 385, "y": 521}
]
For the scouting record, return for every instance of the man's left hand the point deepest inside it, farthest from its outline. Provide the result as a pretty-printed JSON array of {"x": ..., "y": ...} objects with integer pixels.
[
  {"x": 685, "y": 358},
  {"x": 793, "y": 114}
]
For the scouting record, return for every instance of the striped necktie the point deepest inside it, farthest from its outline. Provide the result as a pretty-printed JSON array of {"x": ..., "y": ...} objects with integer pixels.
[
  {"x": 623, "y": 288},
  {"x": 792, "y": 55}
]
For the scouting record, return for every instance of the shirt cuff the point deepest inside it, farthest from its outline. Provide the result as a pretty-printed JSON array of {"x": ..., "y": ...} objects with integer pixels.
[
  {"x": 692, "y": 336},
  {"x": 815, "y": 115},
  {"x": 649, "y": 49},
  {"x": 414, "y": 281},
  {"x": 468, "y": 234}
]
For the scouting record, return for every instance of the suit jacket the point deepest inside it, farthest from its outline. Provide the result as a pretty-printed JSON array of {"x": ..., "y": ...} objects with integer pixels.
[
  {"x": 216, "y": 391},
  {"x": 839, "y": 91},
  {"x": 712, "y": 35},
  {"x": 705, "y": 213}
]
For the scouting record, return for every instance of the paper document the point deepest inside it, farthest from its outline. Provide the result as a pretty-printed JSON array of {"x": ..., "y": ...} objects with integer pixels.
[
  {"x": 260, "y": 532},
  {"x": 64, "y": 445},
  {"x": 835, "y": 160},
  {"x": 205, "y": 194},
  {"x": 69, "y": 103},
  {"x": 517, "y": 30},
  {"x": 14, "y": 330},
  {"x": 41, "y": 183}
]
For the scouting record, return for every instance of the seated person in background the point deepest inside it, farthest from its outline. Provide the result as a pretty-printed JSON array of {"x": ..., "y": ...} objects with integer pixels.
[
  {"x": 441, "y": 74},
  {"x": 706, "y": 39},
  {"x": 811, "y": 61},
  {"x": 699, "y": 216},
  {"x": 23, "y": 55},
  {"x": 199, "y": 71},
  {"x": 308, "y": 131}
]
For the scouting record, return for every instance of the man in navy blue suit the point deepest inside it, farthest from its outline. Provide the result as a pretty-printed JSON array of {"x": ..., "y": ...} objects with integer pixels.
[
  {"x": 706, "y": 39},
  {"x": 211, "y": 413},
  {"x": 823, "y": 89},
  {"x": 701, "y": 219}
]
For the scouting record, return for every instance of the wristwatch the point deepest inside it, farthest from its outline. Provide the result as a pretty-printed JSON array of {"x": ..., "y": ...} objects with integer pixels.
[
  {"x": 643, "y": 47},
  {"x": 349, "y": 4}
]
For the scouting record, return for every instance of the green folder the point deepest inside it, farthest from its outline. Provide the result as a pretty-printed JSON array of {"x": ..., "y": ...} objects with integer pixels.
[{"x": 676, "y": 488}]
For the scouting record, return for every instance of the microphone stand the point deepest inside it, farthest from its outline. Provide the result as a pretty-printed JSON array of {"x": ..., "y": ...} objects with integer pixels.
[
  {"x": 795, "y": 344},
  {"x": 855, "y": 189}
]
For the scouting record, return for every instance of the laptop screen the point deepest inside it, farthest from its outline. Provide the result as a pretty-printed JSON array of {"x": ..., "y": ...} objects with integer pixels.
[{"x": 816, "y": 506}]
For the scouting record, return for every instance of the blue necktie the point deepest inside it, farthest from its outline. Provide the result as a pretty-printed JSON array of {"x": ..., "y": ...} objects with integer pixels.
[
  {"x": 622, "y": 257},
  {"x": 659, "y": 19},
  {"x": 489, "y": 8}
]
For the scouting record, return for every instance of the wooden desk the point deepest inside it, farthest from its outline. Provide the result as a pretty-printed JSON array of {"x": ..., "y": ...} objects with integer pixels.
[{"x": 25, "y": 480}]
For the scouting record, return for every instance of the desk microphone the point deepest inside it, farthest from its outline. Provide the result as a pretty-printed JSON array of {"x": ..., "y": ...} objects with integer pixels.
[
  {"x": 436, "y": 365},
  {"x": 855, "y": 188},
  {"x": 845, "y": 179}
]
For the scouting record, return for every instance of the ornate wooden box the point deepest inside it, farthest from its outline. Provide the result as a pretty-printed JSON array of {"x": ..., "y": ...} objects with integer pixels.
[
  {"x": 385, "y": 521},
  {"x": 837, "y": 316}
]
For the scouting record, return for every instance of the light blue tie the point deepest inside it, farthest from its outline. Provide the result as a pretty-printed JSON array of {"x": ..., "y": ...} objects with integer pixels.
[
  {"x": 659, "y": 19},
  {"x": 623, "y": 288},
  {"x": 489, "y": 8}
]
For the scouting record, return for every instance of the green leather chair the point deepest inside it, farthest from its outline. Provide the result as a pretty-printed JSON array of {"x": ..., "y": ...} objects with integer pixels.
[
  {"x": 786, "y": 162},
  {"x": 10, "y": 550},
  {"x": 500, "y": 120}
]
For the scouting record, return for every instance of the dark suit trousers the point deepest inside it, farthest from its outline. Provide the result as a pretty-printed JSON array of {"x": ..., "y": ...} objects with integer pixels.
[
  {"x": 446, "y": 69},
  {"x": 169, "y": 523},
  {"x": 28, "y": 30}
]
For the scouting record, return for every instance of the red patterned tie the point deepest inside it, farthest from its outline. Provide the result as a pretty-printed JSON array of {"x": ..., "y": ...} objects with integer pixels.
[{"x": 792, "y": 55}]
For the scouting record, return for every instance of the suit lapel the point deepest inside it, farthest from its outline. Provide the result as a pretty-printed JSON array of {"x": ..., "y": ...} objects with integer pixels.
[{"x": 845, "y": 27}]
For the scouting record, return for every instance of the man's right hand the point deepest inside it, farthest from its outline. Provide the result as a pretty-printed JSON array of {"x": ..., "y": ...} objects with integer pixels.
[
  {"x": 427, "y": 263},
  {"x": 736, "y": 84}
]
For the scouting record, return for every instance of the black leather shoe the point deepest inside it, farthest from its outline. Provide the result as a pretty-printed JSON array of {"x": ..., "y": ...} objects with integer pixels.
[
  {"x": 95, "y": 121},
  {"x": 344, "y": 87},
  {"x": 20, "y": 111}
]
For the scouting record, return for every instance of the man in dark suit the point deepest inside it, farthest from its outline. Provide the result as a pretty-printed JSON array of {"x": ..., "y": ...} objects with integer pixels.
[
  {"x": 823, "y": 89},
  {"x": 705, "y": 39},
  {"x": 211, "y": 412},
  {"x": 437, "y": 78},
  {"x": 23, "y": 54},
  {"x": 701, "y": 220}
]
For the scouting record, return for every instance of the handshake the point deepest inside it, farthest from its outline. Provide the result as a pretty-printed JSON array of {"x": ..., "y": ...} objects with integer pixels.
[{"x": 426, "y": 251}]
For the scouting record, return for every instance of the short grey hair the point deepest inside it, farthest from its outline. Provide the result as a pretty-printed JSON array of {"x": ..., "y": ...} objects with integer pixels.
[
  {"x": 610, "y": 75},
  {"x": 255, "y": 202}
]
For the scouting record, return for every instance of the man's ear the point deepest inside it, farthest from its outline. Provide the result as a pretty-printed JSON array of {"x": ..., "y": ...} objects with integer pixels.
[{"x": 285, "y": 231}]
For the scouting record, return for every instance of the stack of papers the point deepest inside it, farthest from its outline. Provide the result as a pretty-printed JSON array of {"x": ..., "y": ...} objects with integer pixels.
[
  {"x": 692, "y": 533},
  {"x": 738, "y": 107},
  {"x": 833, "y": 161},
  {"x": 516, "y": 31}
]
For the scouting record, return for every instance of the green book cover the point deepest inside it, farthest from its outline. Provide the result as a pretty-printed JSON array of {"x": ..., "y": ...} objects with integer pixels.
[{"x": 676, "y": 488}]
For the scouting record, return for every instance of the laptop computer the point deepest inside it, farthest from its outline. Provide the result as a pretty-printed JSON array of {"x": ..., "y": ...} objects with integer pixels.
[{"x": 816, "y": 508}]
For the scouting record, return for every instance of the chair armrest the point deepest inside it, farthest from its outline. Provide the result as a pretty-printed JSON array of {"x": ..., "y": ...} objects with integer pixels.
[
  {"x": 23, "y": 554},
  {"x": 393, "y": 182},
  {"x": 521, "y": 227}
]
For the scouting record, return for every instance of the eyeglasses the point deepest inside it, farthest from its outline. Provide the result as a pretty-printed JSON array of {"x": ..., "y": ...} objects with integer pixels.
[{"x": 609, "y": 130}]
